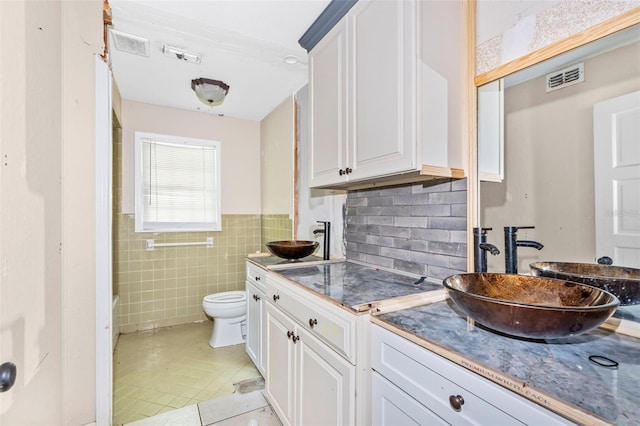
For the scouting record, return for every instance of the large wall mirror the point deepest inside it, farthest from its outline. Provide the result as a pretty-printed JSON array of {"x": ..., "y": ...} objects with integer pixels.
[{"x": 542, "y": 164}]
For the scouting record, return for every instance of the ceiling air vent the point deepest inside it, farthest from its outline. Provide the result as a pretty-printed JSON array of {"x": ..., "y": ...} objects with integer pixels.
[
  {"x": 129, "y": 43},
  {"x": 566, "y": 77}
]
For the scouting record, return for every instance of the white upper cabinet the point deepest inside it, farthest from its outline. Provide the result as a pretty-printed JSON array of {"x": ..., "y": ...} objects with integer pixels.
[
  {"x": 328, "y": 106},
  {"x": 382, "y": 88},
  {"x": 387, "y": 94}
]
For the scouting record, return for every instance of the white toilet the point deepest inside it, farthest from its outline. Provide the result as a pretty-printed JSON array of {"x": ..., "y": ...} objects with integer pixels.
[{"x": 229, "y": 313}]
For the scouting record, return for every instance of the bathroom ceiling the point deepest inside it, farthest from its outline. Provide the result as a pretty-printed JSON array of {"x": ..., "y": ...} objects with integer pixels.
[{"x": 241, "y": 42}]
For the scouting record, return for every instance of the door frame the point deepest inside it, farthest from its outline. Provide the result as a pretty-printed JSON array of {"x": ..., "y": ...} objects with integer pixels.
[{"x": 104, "y": 286}]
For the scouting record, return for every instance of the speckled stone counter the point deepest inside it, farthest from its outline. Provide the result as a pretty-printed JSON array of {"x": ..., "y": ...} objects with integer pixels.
[
  {"x": 267, "y": 261},
  {"x": 548, "y": 372},
  {"x": 357, "y": 286}
]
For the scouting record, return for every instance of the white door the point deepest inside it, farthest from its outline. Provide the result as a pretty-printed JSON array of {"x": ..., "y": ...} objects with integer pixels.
[
  {"x": 325, "y": 384},
  {"x": 30, "y": 216},
  {"x": 280, "y": 363},
  {"x": 616, "y": 128},
  {"x": 255, "y": 303}
]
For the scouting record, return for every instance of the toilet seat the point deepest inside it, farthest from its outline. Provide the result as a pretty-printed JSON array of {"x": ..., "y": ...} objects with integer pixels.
[{"x": 226, "y": 297}]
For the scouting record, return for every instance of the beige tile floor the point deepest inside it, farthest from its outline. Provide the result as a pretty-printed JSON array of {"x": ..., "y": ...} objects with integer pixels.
[{"x": 173, "y": 367}]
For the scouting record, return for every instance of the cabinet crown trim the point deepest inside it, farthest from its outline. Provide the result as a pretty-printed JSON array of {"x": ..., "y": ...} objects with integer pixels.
[{"x": 324, "y": 22}]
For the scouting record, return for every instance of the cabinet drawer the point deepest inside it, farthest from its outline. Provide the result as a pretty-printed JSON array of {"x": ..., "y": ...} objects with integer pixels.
[
  {"x": 393, "y": 407},
  {"x": 332, "y": 325},
  {"x": 257, "y": 276},
  {"x": 433, "y": 380}
]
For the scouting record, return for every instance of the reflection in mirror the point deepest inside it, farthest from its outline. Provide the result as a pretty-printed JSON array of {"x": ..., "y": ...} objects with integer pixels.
[{"x": 566, "y": 160}]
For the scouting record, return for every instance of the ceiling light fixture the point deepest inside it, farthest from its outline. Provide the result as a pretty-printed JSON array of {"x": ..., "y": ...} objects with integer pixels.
[
  {"x": 290, "y": 59},
  {"x": 210, "y": 92}
]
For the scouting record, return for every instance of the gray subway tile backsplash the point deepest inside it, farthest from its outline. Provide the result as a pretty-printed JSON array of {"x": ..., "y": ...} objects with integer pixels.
[{"x": 418, "y": 228}]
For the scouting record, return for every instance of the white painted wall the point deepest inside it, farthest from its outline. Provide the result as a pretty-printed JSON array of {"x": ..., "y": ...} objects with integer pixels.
[
  {"x": 240, "y": 150},
  {"x": 506, "y": 30}
]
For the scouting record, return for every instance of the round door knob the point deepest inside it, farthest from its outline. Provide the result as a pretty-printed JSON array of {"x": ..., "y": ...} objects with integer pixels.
[
  {"x": 276, "y": 297},
  {"x": 312, "y": 322},
  {"x": 8, "y": 373},
  {"x": 456, "y": 402}
]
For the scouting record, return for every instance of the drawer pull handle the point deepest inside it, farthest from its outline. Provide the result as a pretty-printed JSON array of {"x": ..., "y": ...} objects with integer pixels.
[
  {"x": 257, "y": 278},
  {"x": 276, "y": 297},
  {"x": 312, "y": 322},
  {"x": 456, "y": 402},
  {"x": 289, "y": 334},
  {"x": 294, "y": 338}
]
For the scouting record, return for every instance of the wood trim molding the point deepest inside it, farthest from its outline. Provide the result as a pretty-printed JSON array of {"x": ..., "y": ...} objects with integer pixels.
[
  {"x": 473, "y": 195},
  {"x": 596, "y": 32}
]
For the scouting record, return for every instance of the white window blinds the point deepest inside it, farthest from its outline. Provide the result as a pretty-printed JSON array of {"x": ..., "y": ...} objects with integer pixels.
[{"x": 178, "y": 184}]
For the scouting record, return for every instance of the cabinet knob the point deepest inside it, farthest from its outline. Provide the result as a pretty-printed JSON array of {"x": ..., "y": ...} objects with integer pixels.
[
  {"x": 257, "y": 278},
  {"x": 348, "y": 170},
  {"x": 276, "y": 297},
  {"x": 312, "y": 322},
  {"x": 341, "y": 172},
  {"x": 294, "y": 338},
  {"x": 256, "y": 297},
  {"x": 456, "y": 402}
]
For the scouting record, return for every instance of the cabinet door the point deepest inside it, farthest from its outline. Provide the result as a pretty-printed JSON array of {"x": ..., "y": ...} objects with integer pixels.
[
  {"x": 393, "y": 407},
  {"x": 382, "y": 88},
  {"x": 255, "y": 314},
  {"x": 328, "y": 103},
  {"x": 280, "y": 363},
  {"x": 325, "y": 384},
  {"x": 491, "y": 132}
]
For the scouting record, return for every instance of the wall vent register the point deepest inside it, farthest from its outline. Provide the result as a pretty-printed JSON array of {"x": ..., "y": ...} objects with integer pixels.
[{"x": 565, "y": 77}]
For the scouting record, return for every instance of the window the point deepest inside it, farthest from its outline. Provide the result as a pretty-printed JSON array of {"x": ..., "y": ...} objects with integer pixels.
[{"x": 177, "y": 184}]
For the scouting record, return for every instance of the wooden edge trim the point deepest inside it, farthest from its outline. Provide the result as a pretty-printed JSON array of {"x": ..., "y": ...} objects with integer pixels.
[
  {"x": 508, "y": 382},
  {"x": 473, "y": 193},
  {"x": 628, "y": 328},
  {"x": 411, "y": 301},
  {"x": 296, "y": 171},
  {"x": 441, "y": 171},
  {"x": 596, "y": 32}
]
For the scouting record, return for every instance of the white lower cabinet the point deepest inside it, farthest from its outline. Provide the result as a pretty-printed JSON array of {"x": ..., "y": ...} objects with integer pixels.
[
  {"x": 308, "y": 383},
  {"x": 255, "y": 287},
  {"x": 395, "y": 407},
  {"x": 255, "y": 318},
  {"x": 414, "y": 386}
]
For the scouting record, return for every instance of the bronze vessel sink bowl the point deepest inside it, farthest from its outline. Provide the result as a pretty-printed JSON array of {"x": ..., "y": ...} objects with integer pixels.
[
  {"x": 624, "y": 283},
  {"x": 530, "y": 307},
  {"x": 292, "y": 249}
]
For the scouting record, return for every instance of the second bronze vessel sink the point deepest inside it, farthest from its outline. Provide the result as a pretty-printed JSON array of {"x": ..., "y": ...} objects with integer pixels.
[
  {"x": 530, "y": 307},
  {"x": 622, "y": 282}
]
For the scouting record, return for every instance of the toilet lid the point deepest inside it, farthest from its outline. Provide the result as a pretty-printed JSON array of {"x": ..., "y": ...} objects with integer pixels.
[{"x": 226, "y": 297}]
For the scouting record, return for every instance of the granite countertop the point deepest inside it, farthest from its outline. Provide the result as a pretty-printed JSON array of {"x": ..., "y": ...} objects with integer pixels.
[
  {"x": 356, "y": 286},
  {"x": 552, "y": 373}
]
